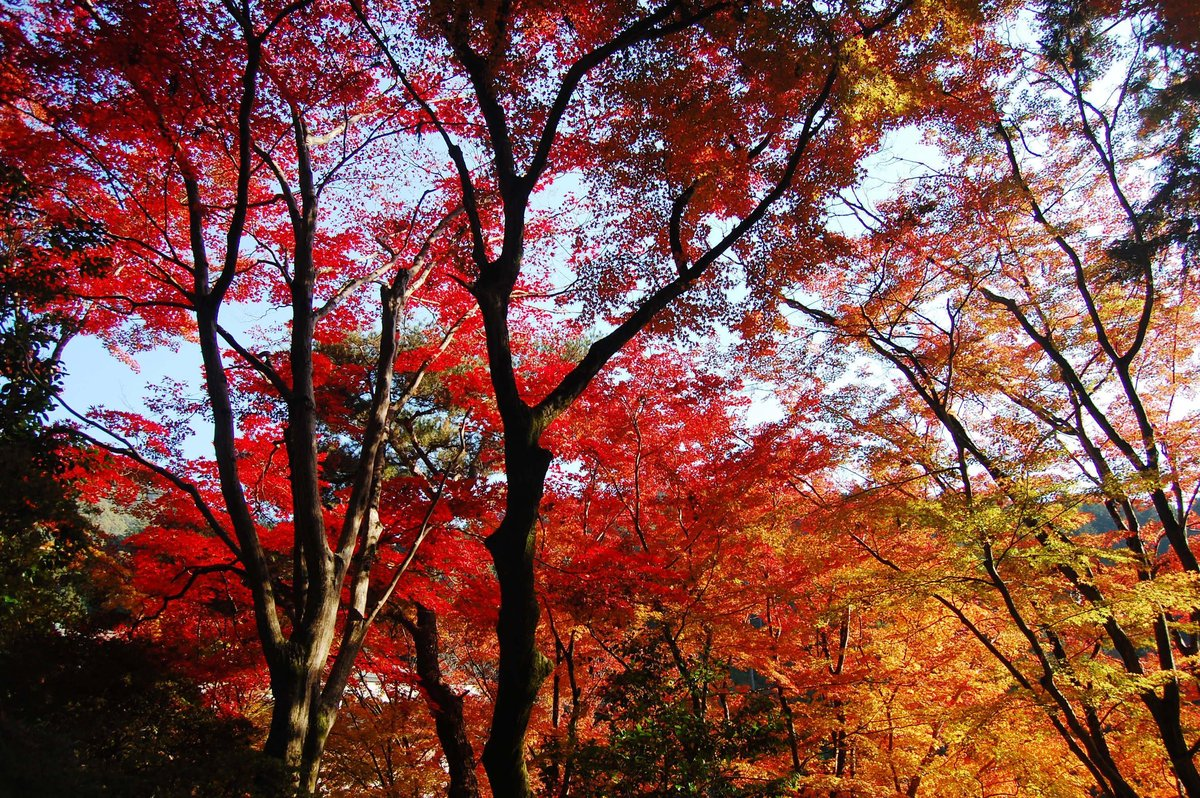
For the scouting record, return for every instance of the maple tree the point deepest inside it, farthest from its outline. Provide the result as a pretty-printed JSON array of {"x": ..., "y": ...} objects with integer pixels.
[
  {"x": 718, "y": 634},
  {"x": 640, "y": 553},
  {"x": 1046, "y": 369},
  {"x": 183, "y": 154}
]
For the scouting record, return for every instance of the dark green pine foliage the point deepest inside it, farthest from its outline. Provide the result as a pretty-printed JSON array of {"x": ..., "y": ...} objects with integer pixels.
[{"x": 680, "y": 729}]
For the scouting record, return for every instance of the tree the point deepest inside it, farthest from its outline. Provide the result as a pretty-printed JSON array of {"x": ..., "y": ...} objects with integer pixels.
[
  {"x": 82, "y": 714},
  {"x": 176, "y": 148},
  {"x": 1035, "y": 303},
  {"x": 644, "y": 553},
  {"x": 659, "y": 743},
  {"x": 85, "y": 716}
]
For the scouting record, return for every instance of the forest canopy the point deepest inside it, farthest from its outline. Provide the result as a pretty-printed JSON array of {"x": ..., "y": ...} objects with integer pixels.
[{"x": 668, "y": 397}]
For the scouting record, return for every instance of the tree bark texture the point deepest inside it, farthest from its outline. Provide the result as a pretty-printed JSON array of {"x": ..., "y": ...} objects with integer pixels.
[{"x": 445, "y": 705}]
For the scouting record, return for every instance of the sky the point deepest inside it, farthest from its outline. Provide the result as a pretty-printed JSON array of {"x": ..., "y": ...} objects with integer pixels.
[{"x": 95, "y": 378}]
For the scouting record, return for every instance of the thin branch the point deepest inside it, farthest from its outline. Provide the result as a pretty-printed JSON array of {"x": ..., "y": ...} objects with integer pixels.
[
  {"x": 128, "y": 450},
  {"x": 422, "y": 533},
  {"x": 194, "y": 573}
]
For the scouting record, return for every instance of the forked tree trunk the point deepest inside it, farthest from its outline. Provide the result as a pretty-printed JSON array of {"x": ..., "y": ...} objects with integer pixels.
[
  {"x": 289, "y": 714},
  {"x": 298, "y": 729}
]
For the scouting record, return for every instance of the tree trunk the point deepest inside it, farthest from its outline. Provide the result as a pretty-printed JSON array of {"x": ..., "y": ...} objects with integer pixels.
[
  {"x": 522, "y": 668},
  {"x": 793, "y": 746},
  {"x": 572, "y": 722},
  {"x": 314, "y": 748},
  {"x": 299, "y": 725},
  {"x": 293, "y": 688},
  {"x": 1165, "y": 711},
  {"x": 445, "y": 705}
]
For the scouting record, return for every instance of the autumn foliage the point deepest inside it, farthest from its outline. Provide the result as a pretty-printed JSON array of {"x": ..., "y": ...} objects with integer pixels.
[{"x": 607, "y": 399}]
